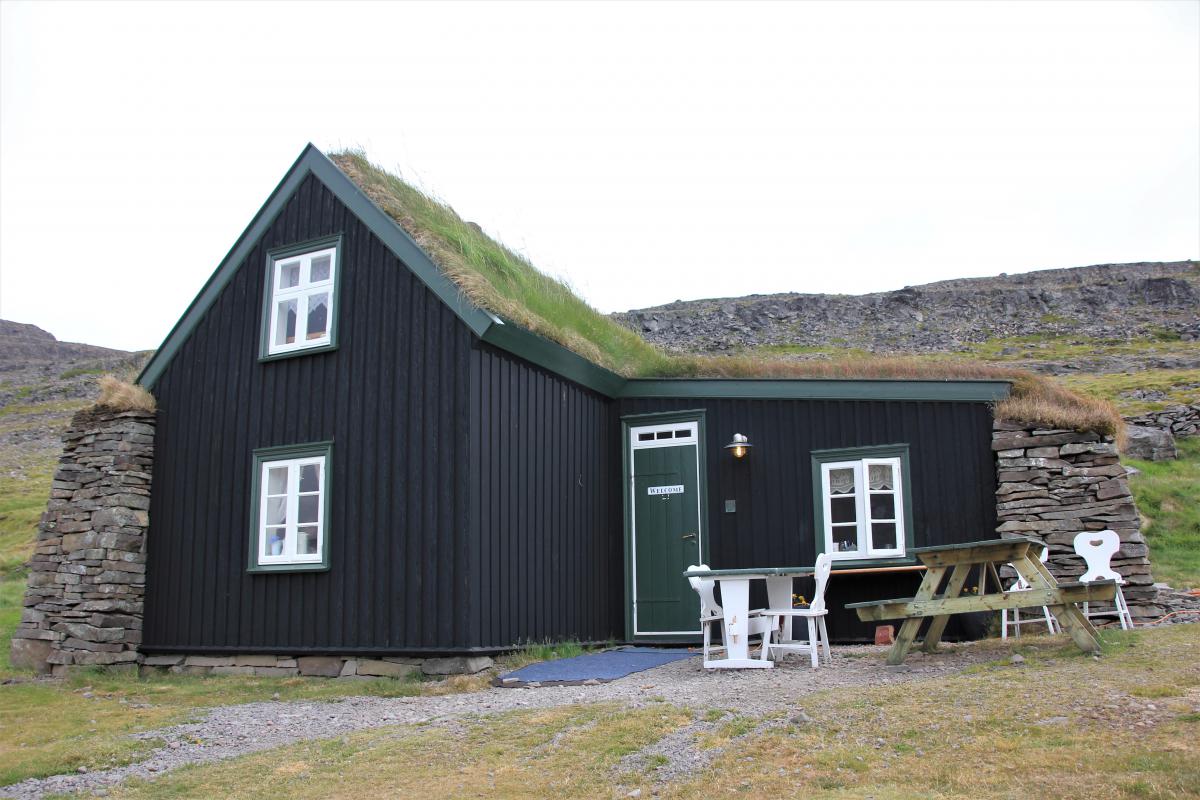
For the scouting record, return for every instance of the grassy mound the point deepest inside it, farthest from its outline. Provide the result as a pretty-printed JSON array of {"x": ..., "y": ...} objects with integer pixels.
[{"x": 495, "y": 278}]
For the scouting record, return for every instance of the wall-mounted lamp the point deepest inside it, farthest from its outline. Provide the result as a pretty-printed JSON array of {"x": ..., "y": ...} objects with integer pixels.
[{"x": 739, "y": 446}]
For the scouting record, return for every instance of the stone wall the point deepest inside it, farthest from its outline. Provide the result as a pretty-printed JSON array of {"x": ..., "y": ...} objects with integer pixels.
[
  {"x": 1053, "y": 484},
  {"x": 1177, "y": 420},
  {"x": 323, "y": 666},
  {"x": 83, "y": 601}
]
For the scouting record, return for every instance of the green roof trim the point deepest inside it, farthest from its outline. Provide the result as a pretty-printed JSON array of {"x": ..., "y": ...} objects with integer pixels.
[
  {"x": 818, "y": 389},
  {"x": 554, "y": 357}
]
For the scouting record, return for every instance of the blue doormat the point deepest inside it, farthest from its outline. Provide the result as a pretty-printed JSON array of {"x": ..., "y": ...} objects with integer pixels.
[{"x": 603, "y": 667}]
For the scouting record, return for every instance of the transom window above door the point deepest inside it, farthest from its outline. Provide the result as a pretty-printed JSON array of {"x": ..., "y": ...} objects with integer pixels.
[
  {"x": 862, "y": 503},
  {"x": 301, "y": 298}
]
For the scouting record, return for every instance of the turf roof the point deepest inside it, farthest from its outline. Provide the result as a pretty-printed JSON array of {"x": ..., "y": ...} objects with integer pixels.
[{"x": 505, "y": 283}]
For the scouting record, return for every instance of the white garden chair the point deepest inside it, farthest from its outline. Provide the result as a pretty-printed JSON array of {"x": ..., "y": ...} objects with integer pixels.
[
  {"x": 1020, "y": 585},
  {"x": 814, "y": 616},
  {"x": 712, "y": 614},
  {"x": 1097, "y": 549}
]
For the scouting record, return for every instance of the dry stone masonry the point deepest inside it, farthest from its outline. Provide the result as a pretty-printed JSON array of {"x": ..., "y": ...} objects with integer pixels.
[
  {"x": 83, "y": 602},
  {"x": 1177, "y": 420},
  {"x": 1053, "y": 484}
]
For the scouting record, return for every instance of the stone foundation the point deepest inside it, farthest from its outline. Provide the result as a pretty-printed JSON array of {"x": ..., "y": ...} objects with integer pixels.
[
  {"x": 83, "y": 600},
  {"x": 316, "y": 666},
  {"x": 1053, "y": 484}
]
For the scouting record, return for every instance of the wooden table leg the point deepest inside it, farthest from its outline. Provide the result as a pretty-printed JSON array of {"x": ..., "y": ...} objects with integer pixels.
[
  {"x": 958, "y": 579},
  {"x": 908, "y": 631},
  {"x": 1069, "y": 617}
]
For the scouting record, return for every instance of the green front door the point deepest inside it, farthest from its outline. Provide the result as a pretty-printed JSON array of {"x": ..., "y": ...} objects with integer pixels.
[{"x": 666, "y": 532}]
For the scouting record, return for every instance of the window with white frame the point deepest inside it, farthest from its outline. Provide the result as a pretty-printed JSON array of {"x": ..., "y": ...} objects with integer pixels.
[
  {"x": 300, "y": 309},
  {"x": 290, "y": 528},
  {"x": 863, "y": 507}
]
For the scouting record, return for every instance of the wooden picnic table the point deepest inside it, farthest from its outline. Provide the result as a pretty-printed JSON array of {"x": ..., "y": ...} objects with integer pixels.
[{"x": 958, "y": 560}]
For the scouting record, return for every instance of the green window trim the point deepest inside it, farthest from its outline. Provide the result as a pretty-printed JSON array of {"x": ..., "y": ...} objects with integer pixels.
[
  {"x": 276, "y": 254},
  {"x": 900, "y": 451},
  {"x": 264, "y": 455}
]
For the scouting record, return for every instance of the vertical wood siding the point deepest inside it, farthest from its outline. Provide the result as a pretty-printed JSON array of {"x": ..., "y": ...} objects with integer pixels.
[
  {"x": 393, "y": 398},
  {"x": 952, "y": 478},
  {"x": 546, "y": 505}
]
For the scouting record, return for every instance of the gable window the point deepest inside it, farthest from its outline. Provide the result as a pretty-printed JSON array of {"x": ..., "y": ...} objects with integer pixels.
[
  {"x": 301, "y": 298},
  {"x": 289, "y": 525},
  {"x": 862, "y": 501}
]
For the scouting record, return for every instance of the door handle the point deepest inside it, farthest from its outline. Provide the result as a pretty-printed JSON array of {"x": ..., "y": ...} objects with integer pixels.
[{"x": 688, "y": 536}]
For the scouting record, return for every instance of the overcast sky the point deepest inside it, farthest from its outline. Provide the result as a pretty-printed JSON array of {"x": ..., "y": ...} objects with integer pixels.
[{"x": 645, "y": 153}]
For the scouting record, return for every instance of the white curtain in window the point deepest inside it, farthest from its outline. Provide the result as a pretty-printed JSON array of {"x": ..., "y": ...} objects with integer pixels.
[
  {"x": 880, "y": 477},
  {"x": 841, "y": 481}
]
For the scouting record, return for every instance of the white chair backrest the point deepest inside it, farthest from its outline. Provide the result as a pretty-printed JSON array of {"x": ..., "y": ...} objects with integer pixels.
[
  {"x": 1020, "y": 582},
  {"x": 704, "y": 587},
  {"x": 1097, "y": 549},
  {"x": 821, "y": 575}
]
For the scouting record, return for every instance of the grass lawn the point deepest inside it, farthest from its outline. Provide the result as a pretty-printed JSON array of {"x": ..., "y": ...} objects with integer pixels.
[
  {"x": 50, "y": 727},
  {"x": 996, "y": 731},
  {"x": 1168, "y": 497}
]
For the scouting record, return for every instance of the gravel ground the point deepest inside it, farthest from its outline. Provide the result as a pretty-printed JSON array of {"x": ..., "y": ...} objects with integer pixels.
[{"x": 229, "y": 731}]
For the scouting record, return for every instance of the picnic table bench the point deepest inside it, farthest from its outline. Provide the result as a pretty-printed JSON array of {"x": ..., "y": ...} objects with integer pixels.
[{"x": 959, "y": 560}]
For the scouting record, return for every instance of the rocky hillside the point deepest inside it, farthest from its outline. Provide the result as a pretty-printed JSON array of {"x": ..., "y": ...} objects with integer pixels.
[
  {"x": 1110, "y": 302},
  {"x": 42, "y": 382}
]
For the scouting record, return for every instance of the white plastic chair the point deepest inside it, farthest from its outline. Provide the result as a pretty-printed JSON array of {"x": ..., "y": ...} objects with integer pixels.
[
  {"x": 1097, "y": 549},
  {"x": 814, "y": 615},
  {"x": 1020, "y": 584},
  {"x": 712, "y": 614}
]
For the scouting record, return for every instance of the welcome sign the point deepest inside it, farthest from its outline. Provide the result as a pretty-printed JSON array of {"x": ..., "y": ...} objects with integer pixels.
[{"x": 664, "y": 490}]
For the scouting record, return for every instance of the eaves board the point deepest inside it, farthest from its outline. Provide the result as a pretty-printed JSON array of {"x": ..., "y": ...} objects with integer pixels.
[
  {"x": 313, "y": 161},
  {"x": 816, "y": 389}
]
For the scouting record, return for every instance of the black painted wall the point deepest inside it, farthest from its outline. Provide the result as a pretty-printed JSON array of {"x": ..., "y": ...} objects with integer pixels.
[
  {"x": 393, "y": 398},
  {"x": 545, "y": 504},
  {"x": 952, "y": 478}
]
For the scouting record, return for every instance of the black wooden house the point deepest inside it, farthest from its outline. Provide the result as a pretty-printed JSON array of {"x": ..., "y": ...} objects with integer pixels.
[{"x": 352, "y": 458}]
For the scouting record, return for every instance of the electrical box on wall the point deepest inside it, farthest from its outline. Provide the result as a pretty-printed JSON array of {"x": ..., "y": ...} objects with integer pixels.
[{"x": 730, "y": 506}]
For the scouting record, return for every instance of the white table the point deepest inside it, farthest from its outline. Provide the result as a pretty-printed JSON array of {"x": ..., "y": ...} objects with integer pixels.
[{"x": 735, "y": 603}]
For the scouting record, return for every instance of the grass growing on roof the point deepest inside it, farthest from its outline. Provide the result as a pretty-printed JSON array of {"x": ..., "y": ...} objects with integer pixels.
[{"x": 495, "y": 278}]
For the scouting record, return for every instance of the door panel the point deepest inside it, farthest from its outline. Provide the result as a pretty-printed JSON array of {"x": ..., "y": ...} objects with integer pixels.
[{"x": 666, "y": 539}]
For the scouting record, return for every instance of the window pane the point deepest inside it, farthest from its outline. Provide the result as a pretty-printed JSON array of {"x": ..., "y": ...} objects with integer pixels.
[
  {"x": 883, "y": 535},
  {"x": 318, "y": 315},
  {"x": 310, "y": 477},
  {"x": 841, "y": 509},
  {"x": 883, "y": 506},
  {"x": 289, "y": 274},
  {"x": 277, "y": 480},
  {"x": 880, "y": 477},
  {"x": 276, "y": 510},
  {"x": 310, "y": 505},
  {"x": 275, "y": 539},
  {"x": 285, "y": 322},
  {"x": 306, "y": 540},
  {"x": 645, "y": 437},
  {"x": 664, "y": 434},
  {"x": 841, "y": 481},
  {"x": 845, "y": 538},
  {"x": 320, "y": 269}
]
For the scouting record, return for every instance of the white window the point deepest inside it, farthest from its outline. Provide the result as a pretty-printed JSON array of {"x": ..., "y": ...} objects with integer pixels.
[
  {"x": 863, "y": 505},
  {"x": 301, "y": 300},
  {"x": 291, "y": 512}
]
